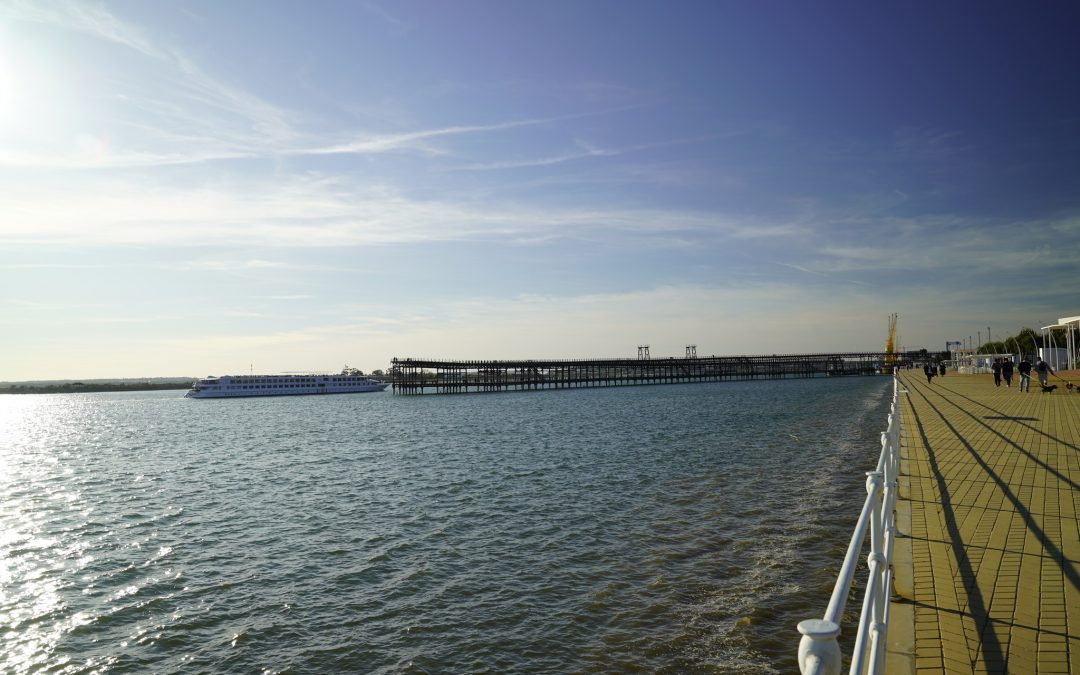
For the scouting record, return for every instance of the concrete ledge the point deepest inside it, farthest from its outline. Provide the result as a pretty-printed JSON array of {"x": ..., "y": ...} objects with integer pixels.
[
  {"x": 900, "y": 648},
  {"x": 902, "y": 563},
  {"x": 900, "y": 645}
]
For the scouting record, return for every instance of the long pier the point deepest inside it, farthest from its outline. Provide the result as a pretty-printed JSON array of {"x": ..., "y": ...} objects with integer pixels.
[{"x": 419, "y": 376}]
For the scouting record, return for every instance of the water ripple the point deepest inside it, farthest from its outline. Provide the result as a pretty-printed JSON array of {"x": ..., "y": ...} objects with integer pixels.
[{"x": 653, "y": 529}]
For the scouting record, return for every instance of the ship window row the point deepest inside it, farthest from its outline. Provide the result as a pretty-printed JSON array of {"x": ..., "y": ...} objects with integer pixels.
[
  {"x": 302, "y": 380},
  {"x": 289, "y": 381},
  {"x": 267, "y": 386},
  {"x": 264, "y": 386},
  {"x": 270, "y": 386}
]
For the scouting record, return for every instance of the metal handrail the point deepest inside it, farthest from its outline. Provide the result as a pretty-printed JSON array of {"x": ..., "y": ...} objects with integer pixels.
[{"x": 819, "y": 652}]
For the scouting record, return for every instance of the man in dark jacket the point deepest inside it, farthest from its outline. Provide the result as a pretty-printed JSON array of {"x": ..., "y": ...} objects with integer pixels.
[
  {"x": 1043, "y": 368},
  {"x": 1006, "y": 372},
  {"x": 996, "y": 367},
  {"x": 1025, "y": 374}
]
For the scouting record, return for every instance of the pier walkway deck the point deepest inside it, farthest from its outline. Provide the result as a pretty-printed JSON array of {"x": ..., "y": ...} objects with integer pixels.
[
  {"x": 412, "y": 376},
  {"x": 988, "y": 564}
]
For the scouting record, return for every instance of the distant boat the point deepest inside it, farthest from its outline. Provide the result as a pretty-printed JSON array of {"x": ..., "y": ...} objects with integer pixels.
[{"x": 349, "y": 381}]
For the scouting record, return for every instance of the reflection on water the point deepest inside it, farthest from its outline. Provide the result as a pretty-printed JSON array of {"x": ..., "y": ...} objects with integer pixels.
[{"x": 666, "y": 529}]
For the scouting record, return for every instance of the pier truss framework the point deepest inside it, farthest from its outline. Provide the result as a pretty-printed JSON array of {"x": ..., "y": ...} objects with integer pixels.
[{"x": 420, "y": 376}]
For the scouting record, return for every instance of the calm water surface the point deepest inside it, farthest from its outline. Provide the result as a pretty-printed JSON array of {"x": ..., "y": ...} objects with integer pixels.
[{"x": 648, "y": 529}]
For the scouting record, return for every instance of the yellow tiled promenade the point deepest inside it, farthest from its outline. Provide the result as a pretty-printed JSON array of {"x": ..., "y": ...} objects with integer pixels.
[{"x": 988, "y": 563}]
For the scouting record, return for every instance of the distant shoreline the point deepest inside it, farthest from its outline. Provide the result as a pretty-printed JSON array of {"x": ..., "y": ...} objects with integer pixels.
[{"x": 90, "y": 387}]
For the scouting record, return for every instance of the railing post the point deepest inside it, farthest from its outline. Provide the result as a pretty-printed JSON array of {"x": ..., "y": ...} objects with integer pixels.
[
  {"x": 880, "y": 556},
  {"x": 875, "y": 560},
  {"x": 819, "y": 652},
  {"x": 875, "y": 481},
  {"x": 875, "y": 485}
]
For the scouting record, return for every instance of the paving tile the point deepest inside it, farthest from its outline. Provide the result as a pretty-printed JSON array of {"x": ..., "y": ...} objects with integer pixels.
[{"x": 991, "y": 482}]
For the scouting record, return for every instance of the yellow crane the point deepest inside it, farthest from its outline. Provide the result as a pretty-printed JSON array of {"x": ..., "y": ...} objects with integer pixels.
[{"x": 890, "y": 343}]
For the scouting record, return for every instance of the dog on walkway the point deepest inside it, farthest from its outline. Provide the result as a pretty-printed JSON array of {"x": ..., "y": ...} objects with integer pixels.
[{"x": 1048, "y": 388}]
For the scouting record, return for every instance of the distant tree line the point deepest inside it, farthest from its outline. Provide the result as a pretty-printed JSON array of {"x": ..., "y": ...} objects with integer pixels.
[
  {"x": 1027, "y": 341},
  {"x": 81, "y": 388}
]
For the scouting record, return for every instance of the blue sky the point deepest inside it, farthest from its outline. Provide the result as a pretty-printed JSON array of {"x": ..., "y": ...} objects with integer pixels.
[{"x": 204, "y": 187}]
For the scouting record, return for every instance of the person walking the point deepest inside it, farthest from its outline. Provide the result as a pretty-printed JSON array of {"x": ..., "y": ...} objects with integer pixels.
[
  {"x": 1025, "y": 374},
  {"x": 1007, "y": 371},
  {"x": 1044, "y": 370},
  {"x": 996, "y": 367},
  {"x": 929, "y": 371},
  {"x": 941, "y": 370}
]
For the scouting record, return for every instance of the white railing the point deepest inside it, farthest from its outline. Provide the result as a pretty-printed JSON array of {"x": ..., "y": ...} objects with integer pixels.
[{"x": 819, "y": 652}]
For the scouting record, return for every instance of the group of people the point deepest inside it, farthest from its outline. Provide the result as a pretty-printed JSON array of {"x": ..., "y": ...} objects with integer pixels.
[
  {"x": 930, "y": 370},
  {"x": 1003, "y": 368}
]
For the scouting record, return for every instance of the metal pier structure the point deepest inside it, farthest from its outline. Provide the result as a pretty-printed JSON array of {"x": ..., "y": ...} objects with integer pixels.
[{"x": 421, "y": 376}]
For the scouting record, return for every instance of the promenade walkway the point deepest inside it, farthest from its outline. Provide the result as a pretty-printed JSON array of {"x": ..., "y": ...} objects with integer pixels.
[{"x": 988, "y": 564}]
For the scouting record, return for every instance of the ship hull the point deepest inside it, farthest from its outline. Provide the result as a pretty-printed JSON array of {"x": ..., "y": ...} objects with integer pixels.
[{"x": 254, "y": 386}]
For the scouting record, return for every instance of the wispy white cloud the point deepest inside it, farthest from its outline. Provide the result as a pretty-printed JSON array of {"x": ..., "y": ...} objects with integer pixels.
[
  {"x": 314, "y": 212},
  {"x": 48, "y": 305},
  {"x": 417, "y": 140},
  {"x": 372, "y": 144},
  {"x": 59, "y": 266},
  {"x": 1068, "y": 226},
  {"x": 174, "y": 112},
  {"x": 919, "y": 142},
  {"x": 948, "y": 244},
  {"x": 832, "y": 275},
  {"x": 179, "y": 149},
  {"x": 114, "y": 159},
  {"x": 587, "y": 150},
  {"x": 180, "y": 113},
  {"x": 291, "y": 296},
  {"x": 398, "y": 25},
  {"x": 184, "y": 115},
  {"x": 231, "y": 265},
  {"x": 96, "y": 21},
  {"x": 527, "y": 163},
  {"x": 129, "y": 319},
  {"x": 88, "y": 17}
]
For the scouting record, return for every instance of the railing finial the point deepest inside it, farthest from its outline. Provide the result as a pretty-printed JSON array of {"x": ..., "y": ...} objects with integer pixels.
[
  {"x": 874, "y": 480},
  {"x": 819, "y": 653}
]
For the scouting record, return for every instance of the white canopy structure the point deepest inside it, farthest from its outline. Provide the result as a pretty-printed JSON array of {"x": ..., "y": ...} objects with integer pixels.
[
  {"x": 972, "y": 363},
  {"x": 1071, "y": 324}
]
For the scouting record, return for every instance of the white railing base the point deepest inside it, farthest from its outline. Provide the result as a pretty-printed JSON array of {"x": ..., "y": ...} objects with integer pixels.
[{"x": 819, "y": 652}]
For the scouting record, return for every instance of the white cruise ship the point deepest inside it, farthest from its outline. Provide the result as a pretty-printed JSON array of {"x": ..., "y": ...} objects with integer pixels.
[{"x": 349, "y": 381}]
